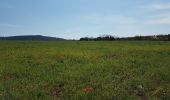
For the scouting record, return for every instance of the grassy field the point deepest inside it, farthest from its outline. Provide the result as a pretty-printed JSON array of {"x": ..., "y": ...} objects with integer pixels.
[{"x": 74, "y": 70}]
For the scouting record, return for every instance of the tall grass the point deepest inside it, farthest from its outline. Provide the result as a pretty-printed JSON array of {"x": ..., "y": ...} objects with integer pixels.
[{"x": 75, "y": 70}]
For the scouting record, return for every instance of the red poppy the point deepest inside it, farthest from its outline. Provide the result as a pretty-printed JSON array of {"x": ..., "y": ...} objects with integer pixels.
[{"x": 88, "y": 89}]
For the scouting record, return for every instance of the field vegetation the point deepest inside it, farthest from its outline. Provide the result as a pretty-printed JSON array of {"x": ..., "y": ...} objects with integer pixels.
[{"x": 84, "y": 70}]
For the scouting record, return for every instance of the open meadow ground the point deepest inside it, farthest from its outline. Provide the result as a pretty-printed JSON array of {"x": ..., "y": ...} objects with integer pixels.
[{"x": 75, "y": 70}]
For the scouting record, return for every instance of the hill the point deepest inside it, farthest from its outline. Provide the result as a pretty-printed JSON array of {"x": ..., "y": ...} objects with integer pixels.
[{"x": 32, "y": 37}]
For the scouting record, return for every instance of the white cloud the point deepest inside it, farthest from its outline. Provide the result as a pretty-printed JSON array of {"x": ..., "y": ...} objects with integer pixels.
[
  {"x": 97, "y": 24},
  {"x": 165, "y": 20},
  {"x": 109, "y": 19},
  {"x": 158, "y": 13},
  {"x": 10, "y": 25},
  {"x": 163, "y": 6}
]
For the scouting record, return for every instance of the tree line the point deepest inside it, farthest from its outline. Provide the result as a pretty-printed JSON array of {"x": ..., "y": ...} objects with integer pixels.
[{"x": 113, "y": 38}]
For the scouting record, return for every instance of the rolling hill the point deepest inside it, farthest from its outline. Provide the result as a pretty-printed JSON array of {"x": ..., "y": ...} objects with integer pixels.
[{"x": 32, "y": 37}]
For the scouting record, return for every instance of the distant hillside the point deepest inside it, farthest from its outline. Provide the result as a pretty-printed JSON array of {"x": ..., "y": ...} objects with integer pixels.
[{"x": 32, "y": 37}]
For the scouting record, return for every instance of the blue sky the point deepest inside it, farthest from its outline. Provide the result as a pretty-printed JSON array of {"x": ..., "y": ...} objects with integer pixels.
[{"x": 72, "y": 19}]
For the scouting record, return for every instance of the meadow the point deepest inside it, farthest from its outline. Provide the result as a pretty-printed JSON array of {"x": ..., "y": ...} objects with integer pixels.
[{"x": 84, "y": 70}]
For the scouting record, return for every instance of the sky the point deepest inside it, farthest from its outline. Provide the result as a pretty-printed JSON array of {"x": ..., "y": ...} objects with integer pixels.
[{"x": 72, "y": 19}]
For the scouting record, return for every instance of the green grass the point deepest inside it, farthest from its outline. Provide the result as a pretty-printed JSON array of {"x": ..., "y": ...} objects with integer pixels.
[{"x": 74, "y": 70}]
